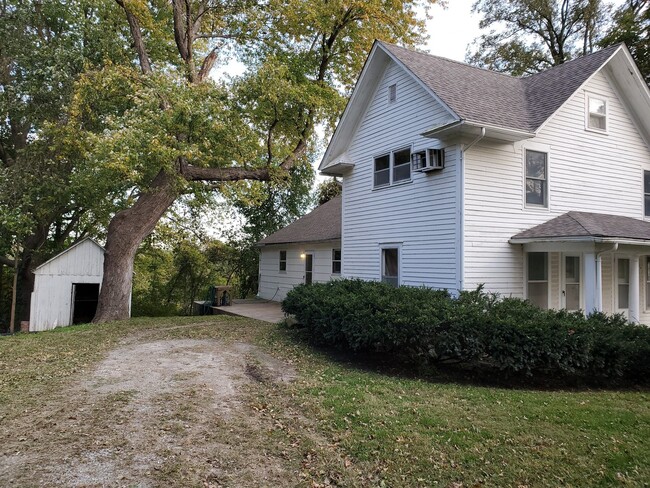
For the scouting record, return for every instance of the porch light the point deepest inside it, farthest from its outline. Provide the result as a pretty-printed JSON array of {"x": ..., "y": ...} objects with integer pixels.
[{"x": 303, "y": 255}]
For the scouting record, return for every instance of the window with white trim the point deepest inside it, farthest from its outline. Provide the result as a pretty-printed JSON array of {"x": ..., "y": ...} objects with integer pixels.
[
  {"x": 336, "y": 261},
  {"x": 646, "y": 193},
  {"x": 623, "y": 283},
  {"x": 390, "y": 265},
  {"x": 647, "y": 282},
  {"x": 391, "y": 168},
  {"x": 536, "y": 178},
  {"x": 283, "y": 261},
  {"x": 537, "y": 285},
  {"x": 596, "y": 113}
]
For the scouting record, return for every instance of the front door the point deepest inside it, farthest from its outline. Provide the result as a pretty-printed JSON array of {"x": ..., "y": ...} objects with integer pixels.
[
  {"x": 623, "y": 286},
  {"x": 309, "y": 265},
  {"x": 571, "y": 289}
]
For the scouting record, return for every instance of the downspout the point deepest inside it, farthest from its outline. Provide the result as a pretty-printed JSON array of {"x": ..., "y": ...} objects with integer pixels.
[
  {"x": 461, "y": 209},
  {"x": 599, "y": 276}
]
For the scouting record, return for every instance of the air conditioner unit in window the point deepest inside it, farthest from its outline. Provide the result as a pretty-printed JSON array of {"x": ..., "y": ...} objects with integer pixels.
[{"x": 428, "y": 160}]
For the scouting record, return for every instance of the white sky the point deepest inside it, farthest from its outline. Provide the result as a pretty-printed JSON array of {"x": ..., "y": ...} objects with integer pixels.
[{"x": 452, "y": 29}]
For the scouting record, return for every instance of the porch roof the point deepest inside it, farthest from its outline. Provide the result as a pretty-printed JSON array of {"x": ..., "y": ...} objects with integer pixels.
[{"x": 585, "y": 226}]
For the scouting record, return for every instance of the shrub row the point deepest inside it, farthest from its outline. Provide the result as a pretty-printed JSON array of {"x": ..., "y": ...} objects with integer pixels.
[{"x": 421, "y": 325}]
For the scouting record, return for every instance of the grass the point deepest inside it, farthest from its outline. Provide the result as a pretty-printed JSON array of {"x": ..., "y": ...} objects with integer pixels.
[{"x": 338, "y": 423}]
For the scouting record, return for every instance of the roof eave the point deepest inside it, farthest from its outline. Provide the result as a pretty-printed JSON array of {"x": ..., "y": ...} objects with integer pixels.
[
  {"x": 473, "y": 128},
  {"x": 286, "y": 243},
  {"x": 579, "y": 239}
]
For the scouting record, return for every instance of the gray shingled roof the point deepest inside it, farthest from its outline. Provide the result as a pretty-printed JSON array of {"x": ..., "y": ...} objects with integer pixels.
[
  {"x": 588, "y": 225},
  {"x": 321, "y": 224},
  {"x": 482, "y": 96}
]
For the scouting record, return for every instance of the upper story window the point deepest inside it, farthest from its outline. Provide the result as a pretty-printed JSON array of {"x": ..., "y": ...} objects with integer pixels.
[
  {"x": 392, "y": 168},
  {"x": 536, "y": 178},
  {"x": 596, "y": 113},
  {"x": 283, "y": 260},
  {"x": 392, "y": 93},
  {"x": 336, "y": 261},
  {"x": 646, "y": 193}
]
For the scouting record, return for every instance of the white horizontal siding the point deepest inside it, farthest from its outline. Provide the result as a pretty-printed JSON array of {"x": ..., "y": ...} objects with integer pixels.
[
  {"x": 51, "y": 303},
  {"x": 275, "y": 284},
  {"x": 420, "y": 214},
  {"x": 588, "y": 171}
]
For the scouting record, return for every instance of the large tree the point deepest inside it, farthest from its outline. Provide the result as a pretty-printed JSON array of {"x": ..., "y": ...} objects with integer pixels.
[
  {"x": 631, "y": 25},
  {"x": 528, "y": 36},
  {"x": 182, "y": 132},
  {"x": 44, "y": 201}
]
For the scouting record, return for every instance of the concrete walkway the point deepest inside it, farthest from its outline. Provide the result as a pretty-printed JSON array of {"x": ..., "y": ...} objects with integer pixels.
[{"x": 255, "y": 309}]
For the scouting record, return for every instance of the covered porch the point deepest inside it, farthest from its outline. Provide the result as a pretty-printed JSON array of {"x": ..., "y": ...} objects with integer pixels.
[{"x": 591, "y": 262}]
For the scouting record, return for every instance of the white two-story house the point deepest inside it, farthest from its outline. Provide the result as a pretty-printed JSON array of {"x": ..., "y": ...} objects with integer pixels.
[{"x": 537, "y": 187}]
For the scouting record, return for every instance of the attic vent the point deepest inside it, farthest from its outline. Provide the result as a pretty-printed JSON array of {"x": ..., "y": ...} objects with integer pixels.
[{"x": 392, "y": 93}]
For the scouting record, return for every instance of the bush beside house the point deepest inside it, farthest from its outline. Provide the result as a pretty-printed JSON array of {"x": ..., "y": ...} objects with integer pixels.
[{"x": 425, "y": 326}]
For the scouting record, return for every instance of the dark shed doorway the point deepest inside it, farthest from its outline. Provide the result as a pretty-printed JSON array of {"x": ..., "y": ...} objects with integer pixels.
[{"x": 84, "y": 302}]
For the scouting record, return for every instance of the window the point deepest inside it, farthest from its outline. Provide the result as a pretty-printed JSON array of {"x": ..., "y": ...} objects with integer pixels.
[
  {"x": 402, "y": 165},
  {"x": 623, "y": 283},
  {"x": 336, "y": 261},
  {"x": 536, "y": 179},
  {"x": 646, "y": 193},
  {"x": 537, "y": 291},
  {"x": 283, "y": 260},
  {"x": 647, "y": 283},
  {"x": 382, "y": 170},
  {"x": 392, "y": 93},
  {"x": 392, "y": 168},
  {"x": 390, "y": 266},
  {"x": 596, "y": 113}
]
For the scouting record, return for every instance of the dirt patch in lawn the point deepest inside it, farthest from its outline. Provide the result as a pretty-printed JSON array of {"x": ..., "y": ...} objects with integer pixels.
[{"x": 165, "y": 412}]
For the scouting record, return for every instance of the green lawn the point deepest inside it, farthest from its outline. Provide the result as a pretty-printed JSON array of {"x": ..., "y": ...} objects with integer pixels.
[{"x": 339, "y": 424}]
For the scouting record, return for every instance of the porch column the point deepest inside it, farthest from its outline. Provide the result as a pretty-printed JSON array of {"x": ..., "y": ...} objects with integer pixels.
[
  {"x": 592, "y": 287},
  {"x": 634, "y": 289}
]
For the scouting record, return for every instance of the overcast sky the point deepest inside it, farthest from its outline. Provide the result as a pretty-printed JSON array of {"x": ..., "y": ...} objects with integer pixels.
[{"x": 451, "y": 29}]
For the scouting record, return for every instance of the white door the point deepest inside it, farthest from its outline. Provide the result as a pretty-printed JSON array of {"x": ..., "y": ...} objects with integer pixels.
[
  {"x": 571, "y": 286},
  {"x": 623, "y": 286}
]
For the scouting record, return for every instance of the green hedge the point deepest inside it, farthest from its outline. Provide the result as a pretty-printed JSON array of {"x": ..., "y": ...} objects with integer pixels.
[{"x": 425, "y": 326}]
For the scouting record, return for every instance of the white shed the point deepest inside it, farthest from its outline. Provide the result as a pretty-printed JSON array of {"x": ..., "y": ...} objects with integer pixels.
[{"x": 66, "y": 288}]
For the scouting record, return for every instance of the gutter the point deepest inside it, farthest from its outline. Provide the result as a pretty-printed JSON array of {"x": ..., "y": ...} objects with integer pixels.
[{"x": 461, "y": 209}]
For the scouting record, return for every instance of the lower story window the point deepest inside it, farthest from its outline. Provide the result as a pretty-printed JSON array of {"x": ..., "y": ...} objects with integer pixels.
[
  {"x": 537, "y": 289},
  {"x": 647, "y": 283},
  {"x": 283, "y": 261},
  {"x": 623, "y": 283},
  {"x": 390, "y": 266},
  {"x": 336, "y": 261}
]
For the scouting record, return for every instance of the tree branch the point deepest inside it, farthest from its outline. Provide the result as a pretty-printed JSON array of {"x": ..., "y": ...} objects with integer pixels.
[
  {"x": 208, "y": 64},
  {"x": 7, "y": 262},
  {"x": 195, "y": 173},
  {"x": 138, "y": 42}
]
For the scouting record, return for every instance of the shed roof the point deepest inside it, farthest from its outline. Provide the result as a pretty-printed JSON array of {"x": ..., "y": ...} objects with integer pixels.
[
  {"x": 321, "y": 224},
  {"x": 487, "y": 97},
  {"x": 74, "y": 246},
  {"x": 585, "y": 225}
]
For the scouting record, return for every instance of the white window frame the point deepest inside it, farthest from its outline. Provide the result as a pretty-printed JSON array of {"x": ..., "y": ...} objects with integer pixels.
[
  {"x": 340, "y": 261},
  {"x": 547, "y": 197},
  {"x": 280, "y": 261},
  {"x": 647, "y": 282},
  {"x": 588, "y": 97},
  {"x": 391, "y": 245},
  {"x": 624, "y": 311},
  {"x": 548, "y": 276},
  {"x": 391, "y": 168},
  {"x": 645, "y": 193}
]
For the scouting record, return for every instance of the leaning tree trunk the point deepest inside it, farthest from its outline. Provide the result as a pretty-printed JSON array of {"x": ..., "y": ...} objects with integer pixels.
[{"x": 126, "y": 232}]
